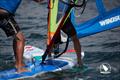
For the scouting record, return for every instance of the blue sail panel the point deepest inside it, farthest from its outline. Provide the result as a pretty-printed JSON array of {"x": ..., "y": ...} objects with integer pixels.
[{"x": 104, "y": 21}]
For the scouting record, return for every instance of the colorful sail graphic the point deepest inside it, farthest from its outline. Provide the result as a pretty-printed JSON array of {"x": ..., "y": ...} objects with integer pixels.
[
  {"x": 52, "y": 18},
  {"x": 56, "y": 12}
]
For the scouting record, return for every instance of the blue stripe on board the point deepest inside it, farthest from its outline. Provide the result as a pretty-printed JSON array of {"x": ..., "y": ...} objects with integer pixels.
[{"x": 51, "y": 65}]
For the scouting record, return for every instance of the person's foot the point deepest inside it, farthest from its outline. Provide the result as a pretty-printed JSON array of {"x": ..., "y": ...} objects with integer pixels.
[
  {"x": 78, "y": 68},
  {"x": 21, "y": 68}
]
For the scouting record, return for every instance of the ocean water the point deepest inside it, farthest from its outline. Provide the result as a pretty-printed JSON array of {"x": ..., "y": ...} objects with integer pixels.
[{"x": 99, "y": 49}]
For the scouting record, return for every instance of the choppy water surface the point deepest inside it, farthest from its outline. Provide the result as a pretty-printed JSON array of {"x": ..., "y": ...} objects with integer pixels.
[{"x": 99, "y": 48}]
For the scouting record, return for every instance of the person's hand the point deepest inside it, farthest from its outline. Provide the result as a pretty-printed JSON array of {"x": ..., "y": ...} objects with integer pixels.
[{"x": 37, "y": 0}]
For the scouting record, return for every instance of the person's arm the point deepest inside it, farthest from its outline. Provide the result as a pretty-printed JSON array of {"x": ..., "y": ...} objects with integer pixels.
[{"x": 37, "y": 0}]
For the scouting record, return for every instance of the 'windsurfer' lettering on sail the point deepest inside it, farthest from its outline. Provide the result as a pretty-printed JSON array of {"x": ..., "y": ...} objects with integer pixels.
[{"x": 110, "y": 20}]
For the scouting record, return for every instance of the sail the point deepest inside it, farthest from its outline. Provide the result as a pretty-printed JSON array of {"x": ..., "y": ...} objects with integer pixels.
[
  {"x": 53, "y": 18},
  {"x": 56, "y": 12},
  {"x": 52, "y": 14},
  {"x": 105, "y": 20}
]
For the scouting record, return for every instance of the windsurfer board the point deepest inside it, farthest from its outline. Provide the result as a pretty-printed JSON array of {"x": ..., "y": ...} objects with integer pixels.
[{"x": 33, "y": 57}]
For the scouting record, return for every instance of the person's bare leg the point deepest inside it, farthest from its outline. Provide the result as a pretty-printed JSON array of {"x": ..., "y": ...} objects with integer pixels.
[
  {"x": 18, "y": 47},
  {"x": 77, "y": 48}
]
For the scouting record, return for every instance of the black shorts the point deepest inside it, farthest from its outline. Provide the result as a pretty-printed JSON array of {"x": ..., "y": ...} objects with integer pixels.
[
  {"x": 8, "y": 24},
  {"x": 68, "y": 28}
]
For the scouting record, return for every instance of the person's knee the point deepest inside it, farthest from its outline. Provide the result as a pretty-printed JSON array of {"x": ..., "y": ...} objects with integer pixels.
[{"x": 19, "y": 37}]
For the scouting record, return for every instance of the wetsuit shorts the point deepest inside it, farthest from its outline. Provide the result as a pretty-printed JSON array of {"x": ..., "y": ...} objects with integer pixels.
[
  {"x": 68, "y": 28},
  {"x": 8, "y": 24}
]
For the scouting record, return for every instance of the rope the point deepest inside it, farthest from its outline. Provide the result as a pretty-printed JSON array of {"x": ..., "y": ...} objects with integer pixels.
[{"x": 67, "y": 43}]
